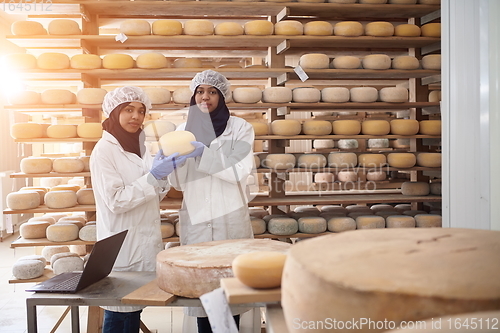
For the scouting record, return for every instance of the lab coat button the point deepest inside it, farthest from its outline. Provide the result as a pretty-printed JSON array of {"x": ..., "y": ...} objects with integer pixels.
[{"x": 209, "y": 225}]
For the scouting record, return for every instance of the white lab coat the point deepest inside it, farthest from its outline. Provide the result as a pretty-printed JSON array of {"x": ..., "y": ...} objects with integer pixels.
[
  {"x": 127, "y": 197},
  {"x": 214, "y": 185}
]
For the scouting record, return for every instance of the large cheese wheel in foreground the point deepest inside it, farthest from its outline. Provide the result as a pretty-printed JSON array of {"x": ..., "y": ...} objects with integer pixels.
[
  {"x": 193, "y": 270},
  {"x": 388, "y": 276}
]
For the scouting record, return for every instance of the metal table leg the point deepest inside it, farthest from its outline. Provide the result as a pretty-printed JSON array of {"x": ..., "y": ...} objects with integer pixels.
[
  {"x": 31, "y": 316},
  {"x": 75, "y": 319}
]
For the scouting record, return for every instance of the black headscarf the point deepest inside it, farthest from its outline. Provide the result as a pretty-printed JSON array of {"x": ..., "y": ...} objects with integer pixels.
[
  {"x": 131, "y": 142},
  {"x": 207, "y": 126}
]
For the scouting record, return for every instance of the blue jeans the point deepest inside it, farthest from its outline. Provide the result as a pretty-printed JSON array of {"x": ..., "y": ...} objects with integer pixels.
[{"x": 121, "y": 322}]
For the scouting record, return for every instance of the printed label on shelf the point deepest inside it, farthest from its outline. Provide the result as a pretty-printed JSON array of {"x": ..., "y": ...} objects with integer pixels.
[
  {"x": 121, "y": 38},
  {"x": 218, "y": 312},
  {"x": 300, "y": 72}
]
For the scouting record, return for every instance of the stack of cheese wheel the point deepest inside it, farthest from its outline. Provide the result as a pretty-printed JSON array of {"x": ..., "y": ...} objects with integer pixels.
[
  {"x": 286, "y": 127},
  {"x": 64, "y": 27},
  {"x": 348, "y": 285},
  {"x": 25, "y": 98},
  {"x": 158, "y": 95},
  {"x": 348, "y": 29},
  {"x": 318, "y": 28},
  {"x": 27, "y": 28},
  {"x": 135, "y": 27},
  {"x": 151, "y": 60},
  {"x": 117, "y": 61},
  {"x": 166, "y": 27},
  {"x": 288, "y": 28},
  {"x": 258, "y": 28},
  {"x": 53, "y": 60},
  {"x": 205, "y": 264},
  {"x": 85, "y": 61}
]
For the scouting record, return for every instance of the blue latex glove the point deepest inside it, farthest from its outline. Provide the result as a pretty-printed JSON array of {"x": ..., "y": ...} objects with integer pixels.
[
  {"x": 164, "y": 165},
  {"x": 198, "y": 149}
]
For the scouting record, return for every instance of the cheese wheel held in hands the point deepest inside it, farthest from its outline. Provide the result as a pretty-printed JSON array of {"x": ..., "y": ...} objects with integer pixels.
[{"x": 177, "y": 142}]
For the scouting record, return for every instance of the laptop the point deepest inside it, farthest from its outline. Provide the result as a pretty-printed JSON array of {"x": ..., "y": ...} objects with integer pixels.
[{"x": 99, "y": 265}]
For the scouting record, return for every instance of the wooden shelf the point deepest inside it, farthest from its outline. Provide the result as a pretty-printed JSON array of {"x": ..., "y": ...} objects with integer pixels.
[
  {"x": 359, "y": 168},
  {"x": 21, "y": 242},
  {"x": 50, "y": 174},
  {"x": 47, "y": 274},
  {"x": 45, "y": 209},
  {"x": 51, "y": 140},
  {"x": 339, "y": 137}
]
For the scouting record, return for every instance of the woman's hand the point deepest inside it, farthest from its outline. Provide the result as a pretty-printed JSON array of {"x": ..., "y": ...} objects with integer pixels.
[
  {"x": 164, "y": 165},
  {"x": 198, "y": 149}
]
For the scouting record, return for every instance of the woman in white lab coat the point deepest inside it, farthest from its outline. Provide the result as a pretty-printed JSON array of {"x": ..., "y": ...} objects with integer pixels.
[
  {"x": 128, "y": 187},
  {"x": 214, "y": 183}
]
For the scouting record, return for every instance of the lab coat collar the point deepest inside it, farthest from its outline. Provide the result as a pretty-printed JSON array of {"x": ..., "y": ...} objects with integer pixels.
[{"x": 131, "y": 156}]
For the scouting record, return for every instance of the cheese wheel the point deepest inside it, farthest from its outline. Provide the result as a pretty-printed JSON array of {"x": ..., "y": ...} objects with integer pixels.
[
  {"x": 26, "y": 131},
  {"x": 34, "y": 257},
  {"x": 414, "y": 212},
  {"x": 28, "y": 269},
  {"x": 282, "y": 226},
  {"x": 401, "y": 160},
  {"x": 376, "y": 61},
  {"x": 65, "y": 187},
  {"x": 324, "y": 177},
  {"x": 399, "y": 221},
  {"x": 19, "y": 61},
  {"x": 318, "y": 28},
  {"x": 167, "y": 27},
  {"x": 312, "y": 225},
  {"x": 85, "y": 196},
  {"x": 347, "y": 176},
  {"x": 58, "y": 256},
  {"x": 73, "y": 218},
  {"x": 394, "y": 94},
  {"x": 23, "y": 200},
  {"x": 88, "y": 233},
  {"x": 333, "y": 209},
  {"x": 430, "y": 127},
  {"x": 67, "y": 265},
  {"x": 32, "y": 165},
  {"x": 258, "y": 225},
  {"x": 381, "y": 207},
  {"x": 49, "y": 251},
  {"x": 323, "y": 143},
  {"x": 64, "y": 27},
  {"x": 48, "y": 219},
  {"x": 167, "y": 230},
  {"x": 57, "y": 96},
  {"x": 311, "y": 161},
  {"x": 187, "y": 63},
  {"x": 53, "y": 60},
  {"x": 51, "y": 181},
  {"x": 247, "y": 95},
  {"x": 386, "y": 213},
  {"x": 339, "y": 224},
  {"x": 267, "y": 218},
  {"x": 157, "y": 128},
  {"x": 372, "y": 160},
  {"x": 342, "y": 1},
  {"x": 378, "y": 143},
  {"x": 260, "y": 269},
  {"x": 85, "y": 61},
  {"x": 260, "y": 128},
  {"x": 62, "y": 232},
  {"x": 431, "y": 30},
  {"x": 288, "y": 28},
  {"x": 286, "y": 127},
  {"x": 429, "y": 160},
  {"x": 150, "y": 60},
  {"x": 158, "y": 95},
  {"x": 379, "y": 29},
  {"x": 428, "y": 221},
  {"x": 310, "y": 210},
  {"x": 198, "y": 27},
  {"x": 358, "y": 208},
  {"x": 407, "y": 30},
  {"x": 415, "y": 188},
  {"x": 89, "y": 130},
  {"x": 25, "y": 98},
  {"x": 91, "y": 95},
  {"x": 403, "y": 2},
  {"x": 372, "y": 1},
  {"x": 435, "y": 188},
  {"x": 177, "y": 142},
  {"x": 27, "y": 28},
  {"x": 346, "y": 62},
  {"x": 117, "y": 61},
  {"x": 431, "y": 61},
  {"x": 182, "y": 95},
  {"x": 314, "y": 61},
  {"x": 258, "y": 28},
  {"x": 404, "y": 126},
  {"x": 204, "y": 264},
  {"x": 279, "y": 161},
  {"x": 370, "y": 222},
  {"x": 363, "y": 94},
  {"x": 347, "y": 144},
  {"x": 376, "y": 176},
  {"x": 228, "y": 29},
  {"x": 306, "y": 95},
  {"x": 135, "y": 27},
  {"x": 346, "y": 127},
  {"x": 375, "y": 127},
  {"x": 317, "y": 127},
  {"x": 435, "y": 96},
  {"x": 348, "y": 29},
  {"x": 34, "y": 229},
  {"x": 405, "y": 62},
  {"x": 430, "y": 2},
  {"x": 277, "y": 95},
  {"x": 342, "y": 160},
  {"x": 335, "y": 95},
  {"x": 62, "y": 131},
  {"x": 61, "y": 199},
  {"x": 79, "y": 224}
]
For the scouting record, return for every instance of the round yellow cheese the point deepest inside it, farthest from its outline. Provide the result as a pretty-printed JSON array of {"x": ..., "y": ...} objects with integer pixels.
[
  {"x": 153, "y": 60},
  {"x": 167, "y": 27},
  {"x": 342, "y": 160},
  {"x": 431, "y": 61},
  {"x": 306, "y": 95},
  {"x": 19, "y": 61},
  {"x": 260, "y": 128},
  {"x": 288, "y": 28},
  {"x": 393, "y": 94},
  {"x": 435, "y": 96},
  {"x": 286, "y": 127},
  {"x": 363, "y": 94},
  {"x": 53, "y": 60},
  {"x": 91, "y": 95},
  {"x": 428, "y": 221},
  {"x": 401, "y": 160},
  {"x": 86, "y": 162},
  {"x": 404, "y": 126},
  {"x": 335, "y": 95},
  {"x": 67, "y": 165},
  {"x": 314, "y": 61},
  {"x": 229, "y": 29},
  {"x": 436, "y": 188},
  {"x": 430, "y": 160},
  {"x": 277, "y": 95},
  {"x": 379, "y": 29},
  {"x": 317, "y": 127},
  {"x": 373, "y": 1},
  {"x": 372, "y": 160},
  {"x": 117, "y": 61},
  {"x": 62, "y": 131},
  {"x": 405, "y": 62},
  {"x": 57, "y": 96},
  {"x": 85, "y": 61},
  {"x": 157, "y": 128},
  {"x": 339, "y": 224},
  {"x": 85, "y": 196},
  {"x": 247, "y": 95},
  {"x": 36, "y": 165},
  {"x": 182, "y": 95},
  {"x": 187, "y": 63},
  {"x": 25, "y": 98},
  {"x": 369, "y": 222},
  {"x": 415, "y": 188},
  {"x": 377, "y": 61},
  {"x": 61, "y": 199},
  {"x": 158, "y": 95},
  {"x": 62, "y": 232},
  {"x": 259, "y": 28},
  {"x": 27, "y": 28},
  {"x": 430, "y": 2},
  {"x": 167, "y": 230},
  {"x": 135, "y": 27},
  {"x": 279, "y": 161},
  {"x": 64, "y": 27},
  {"x": 258, "y": 225},
  {"x": 260, "y": 269},
  {"x": 346, "y": 127},
  {"x": 311, "y": 161},
  {"x": 318, "y": 28},
  {"x": 348, "y": 29},
  {"x": 375, "y": 127},
  {"x": 430, "y": 127},
  {"x": 400, "y": 221},
  {"x": 346, "y": 62},
  {"x": 26, "y": 131},
  {"x": 177, "y": 142},
  {"x": 407, "y": 30},
  {"x": 23, "y": 200},
  {"x": 403, "y": 2},
  {"x": 198, "y": 27},
  {"x": 431, "y": 30}
]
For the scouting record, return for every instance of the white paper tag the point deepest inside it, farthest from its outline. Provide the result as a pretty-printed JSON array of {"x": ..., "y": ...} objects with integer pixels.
[
  {"x": 218, "y": 312},
  {"x": 121, "y": 37},
  {"x": 300, "y": 72}
]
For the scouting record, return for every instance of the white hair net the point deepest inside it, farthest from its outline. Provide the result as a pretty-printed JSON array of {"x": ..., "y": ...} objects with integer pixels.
[
  {"x": 124, "y": 95},
  {"x": 212, "y": 78}
]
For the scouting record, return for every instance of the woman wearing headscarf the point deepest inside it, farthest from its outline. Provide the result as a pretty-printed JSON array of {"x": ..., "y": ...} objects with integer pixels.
[
  {"x": 128, "y": 186},
  {"x": 214, "y": 183}
]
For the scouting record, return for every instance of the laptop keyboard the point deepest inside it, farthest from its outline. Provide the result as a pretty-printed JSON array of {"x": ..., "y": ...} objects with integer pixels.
[{"x": 68, "y": 284}]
